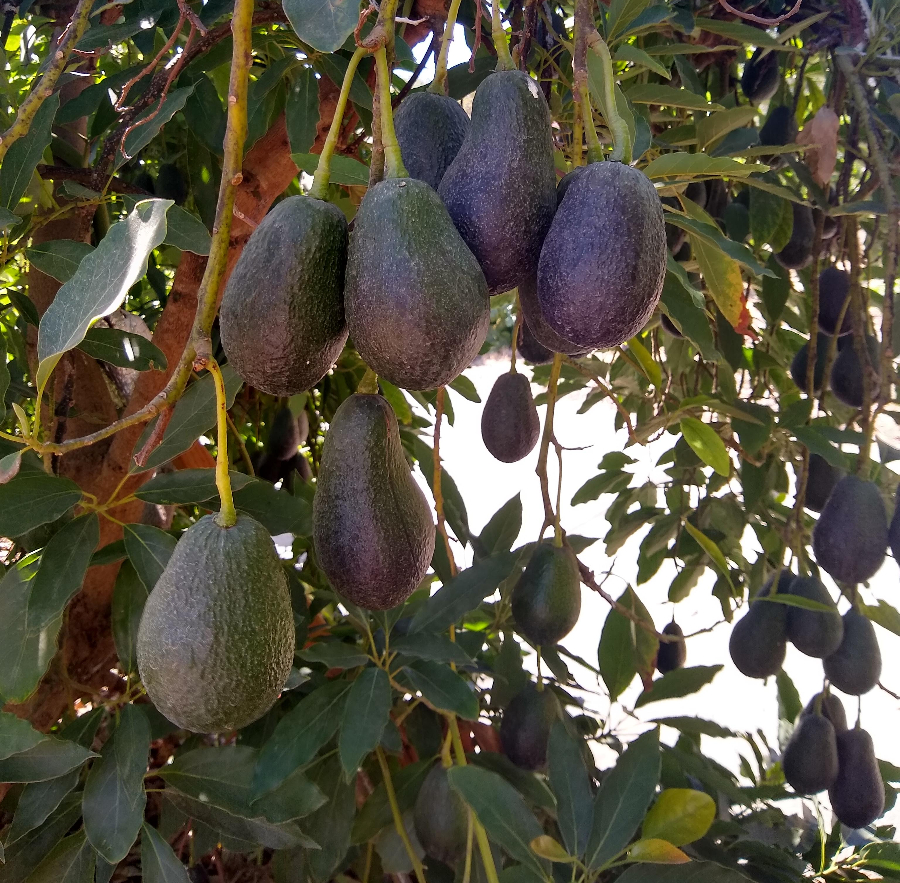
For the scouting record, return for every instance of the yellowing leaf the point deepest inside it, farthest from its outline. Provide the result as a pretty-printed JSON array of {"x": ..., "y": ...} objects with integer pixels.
[
  {"x": 550, "y": 849},
  {"x": 724, "y": 280},
  {"x": 706, "y": 444},
  {"x": 821, "y": 135},
  {"x": 658, "y": 852},
  {"x": 652, "y": 371},
  {"x": 679, "y": 816}
]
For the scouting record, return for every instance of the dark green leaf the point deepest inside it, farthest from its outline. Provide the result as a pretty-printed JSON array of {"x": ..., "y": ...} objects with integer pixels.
[
  {"x": 501, "y": 531},
  {"x": 32, "y": 499},
  {"x": 677, "y": 683},
  {"x": 344, "y": 169},
  {"x": 111, "y": 553},
  {"x": 23, "y": 155},
  {"x": 38, "y": 801},
  {"x": 23, "y": 856},
  {"x": 465, "y": 388},
  {"x": 437, "y": 648},
  {"x": 753, "y": 436},
  {"x": 695, "y": 725},
  {"x": 16, "y": 735},
  {"x": 275, "y": 510},
  {"x": 571, "y": 784},
  {"x": 156, "y": 116},
  {"x": 625, "y": 648},
  {"x": 302, "y": 111},
  {"x": 70, "y": 861},
  {"x": 149, "y": 550},
  {"x": 335, "y": 68},
  {"x": 335, "y": 654},
  {"x": 294, "y": 798},
  {"x": 128, "y": 600},
  {"x": 186, "y": 232},
  {"x": 204, "y": 114},
  {"x": 330, "y": 826},
  {"x": 604, "y": 483},
  {"x": 159, "y": 864},
  {"x": 122, "y": 349},
  {"x": 186, "y": 486},
  {"x": 49, "y": 759},
  {"x": 365, "y": 716},
  {"x": 376, "y": 811},
  {"x": 695, "y": 872},
  {"x": 442, "y": 688},
  {"x": 323, "y": 24},
  {"x": 58, "y": 258},
  {"x": 789, "y": 704},
  {"x": 8, "y": 219}
]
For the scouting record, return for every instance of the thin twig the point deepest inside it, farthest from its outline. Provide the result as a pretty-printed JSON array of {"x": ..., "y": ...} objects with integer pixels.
[
  {"x": 587, "y": 577},
  {"x": 768, "y": 22},
  {"x": 120, "y": 102}
]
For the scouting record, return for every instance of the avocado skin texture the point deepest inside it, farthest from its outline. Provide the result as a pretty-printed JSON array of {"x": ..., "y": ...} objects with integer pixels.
[
  {"x": 798, "y": 251},
  {"x": 810, "y": 760},
  {"x": 216, "y": 639},
  {"x": 603, "y": 262},
  {"x": 855, "y": 666},
  {"x": 416, "y": 300},
  {"x": 780, "y": 128},
  {"x": 857, "y": 796},
  {"x": 834, "y": 291},
  {"x": 820, "y": 483},
  {"x": 848, "y": 375},
  {"x": 530, "y": 348},
  {"x": 430, "y": 129},
  {"x": 501, "y": 188},
  {"x": 282, "y": 315},
  {"x": 850, "y": 538},
  {"x": 546, "y": 600},
  {"x": 525, "y": 728},
  {"x": 758, "y": 642},
  {"x": 759, "y": 81},
  {"x": 814, "y": 632},
  {"x": 831, "y": 708},
  {"x": 440, "y": 818},
  {"x": 372, "y": 526},
  {"x": 284, "y": 436},
  {"x": 509, "y": 422},
  {"x": 801, "y": 360},
  {"x": 543, "y": 333},
  {"x": 671, "y": 655}
]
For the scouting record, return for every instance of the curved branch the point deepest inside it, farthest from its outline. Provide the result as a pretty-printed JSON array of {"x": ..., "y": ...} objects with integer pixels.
[{"x": 768, "y": 22}]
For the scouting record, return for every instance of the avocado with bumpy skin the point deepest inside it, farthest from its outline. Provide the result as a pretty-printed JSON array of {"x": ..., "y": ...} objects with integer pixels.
[
  {"x": 416, "y": 300},
  {"x": 530, "y": 348},
  {"x": 761, "y": 76},
  {"x": 849, "y": 377},
  {"x": 282, "y": 315},
  {"x": 543, "y": 333},
  {"x": 834, "y": 293},
  {"x": 758, "y": 642},
  {"x": 857, "y": 795},
  {"x": 820, "y": 482},
  {"x": 216, "y": 639},
  {"x": 546, "y": 600},
  {"x": 798, "y": 251},
  {"x": 430, "y": 130},
  {"x": 671, "y": 654},
  {"x": 603, "y": 263},
  {"x": 372, "y": 526},
  {"x": 810, "y": 761},
  {"x": 855, "y": 667},
  {"x": 509, "y": 422},
  {"x": 850, "y": 538},
  {"x": 441, "y": 818},
  {"x": 780, "y": 127},
  {"x": 830, "y": 707},
  {"x": 814, "y": 632},
  {"x": 801, "y": 360},
  {"x": 526, "y": 724},
  {"x": 500, "y": 189}
]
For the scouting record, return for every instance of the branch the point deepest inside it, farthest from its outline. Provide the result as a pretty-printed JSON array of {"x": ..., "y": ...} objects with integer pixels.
[
  {"x": 587, "y": 577},
  {"x": 768, "y": 22}
]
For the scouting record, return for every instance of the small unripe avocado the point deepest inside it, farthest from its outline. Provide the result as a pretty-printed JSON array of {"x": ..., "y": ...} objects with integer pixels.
[
  {"x": 509, "y": 422},
  {"x": 530, "y": 348},
  {"x": 761, "y": 76},
  {"x": 814, "y": 632},
  {"x": 758, "y": 642},
  {"x": 216, "y": 639},
  {"x": 526, "y": 724},
  {"x": 801, "y": 361},
  {"x": 798, "y": 251},
  {"x": 857, "y": 795},
  {"x": 834, "y": 292},
  {"x": 671, "y": 654},
  {"x": 810, "y": 760},
  {"x": 831, "y": 707},
  {"x": 546, "y": 600},
  {"x": 820, "y": 483},
  {"x": 855, "y": 667},
  {"x": 849, "y": 376},
  {"x": 440, "y": 818}
]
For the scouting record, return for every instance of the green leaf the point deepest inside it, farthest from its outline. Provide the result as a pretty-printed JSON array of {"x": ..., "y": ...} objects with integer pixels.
[
  {"x": 625, "y": 648},
  {"x": 49, "y": 759},
  {"x": 23, "y": 856},
  {"x": 159, "y": 864},
  {"x": 652, "y": 93},
  {"x": 677, "y": 683},
  {"x": 323, "y": 24},
  {"x": 766, "y": 211},
  {"x": 123, "y": 349},
  {"x": 186, "y": 486},
  {"x": 501, "y": 531},
  {"x": 128, "y": 600},
  {"x": 696, "y": 726},
  {"x": 630, "y": 53},
  {"x": 330, "y": 826},
  {"x": 651, "y": 369},
  {"x": 736, "y": 31},
  {"x": 706, "y": 444},
  {"x": 366, "y": 714},
  {"x": 715, "y": 126},
  {"x": 111, "y": 553},
  {"x": 680, "y": 815},
  {"x": 655, "y": 851},
  {"x": 375, "y": 814},
  {"x": 32, "y": 499},
  {"x": 23, "y": 155},
  {"x": 344, "y": 169},
  {"x": 334, "y": 654},
  {"x": 186, "y": 232},
  {"x": 754, "y": 433},
  {"x": 622, "y": 13},
  {"x": 70, "y": 861},
  {"x": 294, "y": 798},
  {"x": 397, "y": 400},
  {"x": 204, "y": 114},
  {"x": 789, "y": 704},
  {"x": 302, "y": 111},
  {"x": 148, "y": 123},
  {"x": 275, "y": 510},
  {"x": 711, "y": 549},
  {"x": 695, "y": 872},
  {"x": 8, "y": 219},
  {"x": 571, "y": 784},
  {"x": 38, "y": 802},
  {"x": 58, "y": 258},
  {"x": 100, "y": 283},
  {"x": 114, "y": 797},
  {"x": 500, "y": 808},
  {"x": 437, "y": 648},
  {"x": 463, "y": 593},
  {"x": 611, "y": 482},
  {"x": 16, "y": 735},
  {"x": 552, "y": 850},
  {"x": 465, "y": 388},
  {"x": 149, "y": 550},
  {"x": 442, "y": 688},
  {"x": 623, "y": 798}
]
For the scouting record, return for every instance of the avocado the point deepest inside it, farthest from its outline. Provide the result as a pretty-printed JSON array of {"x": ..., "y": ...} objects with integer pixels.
[
  {"x": 684, "y": 254},
  {"x": 532, "y": 317},
  {"x": 848, "y": 376},
  {"x": 717, "y": 199},
  {"x": 810, "y": 761},
  {"x": 509, "y": 422},
  {"x": 697, "y": 192},
  {"x": 565, "y": 181},
  {"x": 267, "y": 467},
  {"x": 430, "y": 130},
  {"x": 671, "y": 655},
  {"x": 814, "y": 632},
  {"x": 850, "y": 538},
  {"x": 857, "y": 795},
  {"x": 372, "y": 526},
  {"x": 894, "y": 530},
  {"x": 546, "y": 600},
  {"x": 820, "y": 482},
  {"x": 830, "y": 707},
  {"x": 801, "y": 360},
  {"x": 855, "y": 667},
  {"x": 284, "y": 436},
  {"x": 603, "y": 263},
  {"x": 526, "y": 724},
  {"x": 416, "y": 300},
  {"x": 501, "y": 188},
  {"x": 758, "y": 641},
  {"x": 530, "y": 348},
  {"x": 669, "y": 326},
  {"x": 798, "y": 252},
  {"x": 170, "y": 184},
  {"x": 780, "y": 127},
  {"x": 282, "y": 315},
  {"x": 834, "y": 292},
  {"x": 761, "y": 76},
  {"x": 216, "y": 639},
  {"x": 441, "y": 818},
  {"x": 145, "y": 181}
]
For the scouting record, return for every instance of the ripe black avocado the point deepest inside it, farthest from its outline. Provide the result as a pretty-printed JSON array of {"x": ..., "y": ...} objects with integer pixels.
[
  {"x": 855, "y": 667},
  {"x": 530, "y": 348},
  {"x": 526, "y": 724},
  {"x": 543, "y": 333},
  {"x": 848, "y": 376},
  {"x": 801, "y": 360},
  {"x": 820, "y": 482},
  {"x": 671, "y": 654},
  {"x": 834, "y": 292},
  {"x": 758, "y": 641},
  {"x": 798, "y": 251},
  {"x": 441, "y": 818},
  {"x": 509, "y": 422},
  {"x": 814, "y": 632},
  {"x": 857, "y": 795},
  {"x": 810, "y": 760},
  {"x": 761, "y": 76}
]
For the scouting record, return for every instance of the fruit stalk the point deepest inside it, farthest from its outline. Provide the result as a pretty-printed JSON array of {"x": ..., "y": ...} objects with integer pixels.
[
  {"x": 398, "y": 817},
  {"x": 227, "y": 515},
  {"x": 498, "y": 35},
  {"x": 394, "y": 167},
  {"x": 617, "y": 127},
  {"x": 549, "y": 516},
  {"x": 439, "y": 83},
  {"x": 583, "y": 26}
]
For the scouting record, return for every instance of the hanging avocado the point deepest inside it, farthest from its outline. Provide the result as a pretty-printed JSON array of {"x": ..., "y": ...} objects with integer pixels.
[
  {"x": 526, "y": 724},
  {"x": 509, "y": 422},
  {"x": 546, "y": 600},
  {"x": 430, "y": 130},
  {"x": 671, "y": 654},
  {"x": 543, "y": 333}
]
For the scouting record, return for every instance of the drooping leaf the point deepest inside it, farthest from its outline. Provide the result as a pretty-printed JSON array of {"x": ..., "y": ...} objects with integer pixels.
[
  {"x": 128, "y": 600},
  {"x": 38, "y": 802},
  {"x": 625, "y": 648},
  {"x": 49, "y": 759},
  {"x": 711, "y": 549},
  {"x": 655, "y": 851},
  {"x": 501, "y": 531},
  {"x": 366, "y": 714},
  {"x": 680, "y": 815},
  {"x": 678, "y": 683},
  {"x": 23, "y": 155},
  {"x": 70, "y": 861},
  {"x": 706, "y": 444},
  {"x": 186, "y": 486},
  {"x": 32, "y": 499},
  {"x": 149, "y": 550},
  {"x": 58, "y": 258},
  {"x": 442, "y": 688},
  {"x": 159, "y": 864},
  {"x": 572, "y": 786},
  {"x": 302, "y": 111}
]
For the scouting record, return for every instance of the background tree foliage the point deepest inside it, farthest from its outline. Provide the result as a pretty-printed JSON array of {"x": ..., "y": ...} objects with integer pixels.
[{"x": 114, "y": 120}]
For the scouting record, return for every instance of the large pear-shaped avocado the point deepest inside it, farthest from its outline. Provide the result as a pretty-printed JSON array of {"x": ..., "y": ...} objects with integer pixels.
[
  {"x": 282, "y": 315},
  {"x": 820, "y": 482},
  {"x": 780, "y": 127},
  {"x": 604, "y": 260},
  {"x": 814, "y": 632},
  {"x": 829, "y": 706},
  {"x": 810, "y": 761},
  {"x": 440, "y": 818},
  {"x": 501, "y": 188},
  {"x": 855, "y": 666},
  {"x": 216, "y": 639},
  {"x": 850, "y": 538},
  {"x": 543, "y": 333},
  {"x": 526, "y": 724},
  {"x": 834, "y": 292},
  {"x": 857, "y": 795},
  {"x": 509, "y": 422},
  {"x": 546, "y": 600},
  {"x": 758, "y": 642},
  {"x": 671, "y": 654},
  {"x": 372, "y": 526},
  {"x": 430, "y": 130},
  {"x": 417, "y": 304}
]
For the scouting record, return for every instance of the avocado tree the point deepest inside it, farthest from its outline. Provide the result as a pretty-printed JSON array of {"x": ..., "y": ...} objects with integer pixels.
[{"x": 687, "y": 210}]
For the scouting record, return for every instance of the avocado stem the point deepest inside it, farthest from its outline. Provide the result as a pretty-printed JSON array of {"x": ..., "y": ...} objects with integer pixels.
[
  {"x": 319, "y": 188},
  {"x": 394, "y": 167},
  {"x": 622, "y": 147},
  {"x": 498, "y": 35},
  {"x": 439, "y": 83},
  {"x": 227, "y": 516},
  {"x": 584, "y": 114},
  {"x": 594, "y": 147},
  {"x": 541, "y": 470},
  {"x": 398, "y": 816}
]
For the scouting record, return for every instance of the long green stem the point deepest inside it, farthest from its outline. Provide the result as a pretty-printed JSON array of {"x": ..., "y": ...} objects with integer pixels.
[
  {"x": 618, "y": 128},
  {"x": 439, "y": 83},
  {"x": 227, "y": 515},
  {"x": 398, "y": 816},
  {"x": 594, "y": 147},
  {"x": 323, "y": 170},
  {"x": 394, "y": 167},
  {"x": 584, "y": 115},
  {"x": 498, "y": 35}
]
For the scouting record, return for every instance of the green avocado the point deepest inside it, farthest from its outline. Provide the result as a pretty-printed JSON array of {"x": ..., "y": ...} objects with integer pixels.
[
  {"x": 417, "y": 303},
  {"x": 509, "y": 422},
  {"x": 798, "y": 252},
  {"x": 810, "y": 761},
  {"x": 441, "y": 818},
  {"x": 671, "y": 654},
  {"x": 372, "y": 526},
  {"x": 761, "y": 76},
  {"x": 820, "y": 482},
  {"x": 530, "y": 348},
  {"x": 501, "y": 188},
  {"x": 526, "y": 724},
  {"x": 430, "y": 129},
  {"x": 857, "y": 795},
  {"x": 216, "y": 639},
  {"x": 546, "y": 600},
  {"x": 855, "y": 667},
  {"x": 847, "y": 373},
  {"x": 603, "y": 263},
  {"x": 801, "y": 360},
  {"x": 282, "y": 315},
  {"x": 531, "y": 316},
  {"x": 850, "y": 538},
  {"x": 834, "y": 292},
  {"x": 758, "y": 641},
  {"x": 814, "y": 632},
  {"x": 829, "y": 706}
]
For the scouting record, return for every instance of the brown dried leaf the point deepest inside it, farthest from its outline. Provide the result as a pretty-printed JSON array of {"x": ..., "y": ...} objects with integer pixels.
[{"x": 822, "y": 133}]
